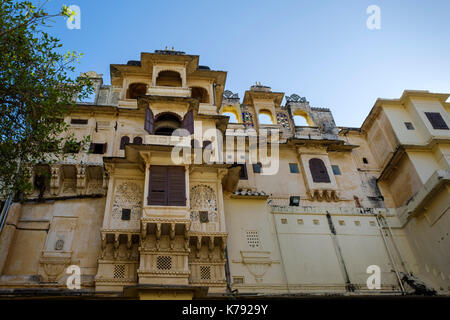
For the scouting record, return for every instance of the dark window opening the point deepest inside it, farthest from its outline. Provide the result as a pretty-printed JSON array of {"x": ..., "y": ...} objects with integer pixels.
[
  {"x": 169, "y": 79},
  {"x": 336, "y": 170},
  {"x": 294, "y": 201},
  {"x": 126, "y": 213},
  {"x": 257, "y": 167},
  {"x": 78, "y": 121},
  {"x": 409, "y": 126},
  {"x": 123, "y": 141},
  {"x": 293, "y": 168},
  {"x": 318, "y": 170},
  {"x": 166, "y": 124},
  {"x": 243, "y": 174},
  {"x": 436, "y": 120},
  {"x": 365, "y": 161},
  {"x": 201, "y": 94},
  {"x": 203, "y": 216},
  {"x": 164, "y": 131},
  {"x": 136, "y": 89},
  {"x": 137, "y": 140},
  {"x": 98, "y": 148}
]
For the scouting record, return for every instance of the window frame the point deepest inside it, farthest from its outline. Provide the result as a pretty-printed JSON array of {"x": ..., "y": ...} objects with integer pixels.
[
  {"x": 174, "y": 191},
  {"x": 294, "y": 165},
  {"x": 436, "y": 120},
  {"x": 319, "y": 171}
]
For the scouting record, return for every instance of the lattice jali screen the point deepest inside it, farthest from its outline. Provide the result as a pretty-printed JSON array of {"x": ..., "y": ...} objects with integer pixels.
[
  {"x": 164, "y": 262},
  {"x": 119, "y": 271},
  {"x": 253, "y": 238},
  {"x": 205, "y": 272}
]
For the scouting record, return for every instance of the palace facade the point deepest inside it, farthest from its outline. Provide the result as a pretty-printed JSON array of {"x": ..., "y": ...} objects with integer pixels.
[{"x": 343, "y": 204}]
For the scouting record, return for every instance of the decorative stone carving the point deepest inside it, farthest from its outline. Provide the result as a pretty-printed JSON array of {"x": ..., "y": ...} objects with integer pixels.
[
  {"x": 52, "y": 265},
  {"x": 59, "y": 245},
  {"x": 230, "y": 95},
  {"x": 203, "y": 198},
  {"x": 127, "y": 195},
  {"x": 323, "y": 195},
  {"x": 247, "y": 119},
  {"x": 95, "y": 187},
  {"x": 55, "y": 179},
  {"x": 296, "y": 98},
  {"x": 257, "y": 263},
  {"x": 283, "y": 120},
  {"x": 81, "y": 179}
]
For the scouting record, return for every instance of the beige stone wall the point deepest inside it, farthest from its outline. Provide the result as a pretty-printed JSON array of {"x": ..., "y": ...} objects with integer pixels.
[{"x": 39, "y": 227}]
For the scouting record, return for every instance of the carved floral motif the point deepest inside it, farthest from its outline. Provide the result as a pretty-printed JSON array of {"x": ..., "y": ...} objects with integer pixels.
[
  {"x": 128, "y": 195},
  {"x": 203, "y": 198}
]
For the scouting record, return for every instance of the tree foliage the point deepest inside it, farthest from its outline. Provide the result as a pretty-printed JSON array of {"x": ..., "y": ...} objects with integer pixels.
[{"x": 36, "y": 93}]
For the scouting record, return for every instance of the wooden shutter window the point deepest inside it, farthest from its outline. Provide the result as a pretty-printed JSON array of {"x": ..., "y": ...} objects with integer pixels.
[
  {"x": 188, "y": 121},
  {"x": 157, "y": 195},
  {"x": 149, "y": 121},
  {"x": 167, "y": 186},
  {"x": 123, "y": 141},
  {"x": 318, "y": 170},
  {"x": 177, "y": 187},
  {"x": 436, "y": 120}
]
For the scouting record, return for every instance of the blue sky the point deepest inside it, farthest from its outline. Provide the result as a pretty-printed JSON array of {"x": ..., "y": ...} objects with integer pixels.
[{"x": 317, "y": 48}]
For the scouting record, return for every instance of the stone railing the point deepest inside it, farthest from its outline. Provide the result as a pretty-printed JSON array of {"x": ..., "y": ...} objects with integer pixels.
[
  {"x": 128, "y": 104},
  {"x": 330, "y": 209},
  {"x": 169, "y": 91},
  {"x": 167, "y": 140}
]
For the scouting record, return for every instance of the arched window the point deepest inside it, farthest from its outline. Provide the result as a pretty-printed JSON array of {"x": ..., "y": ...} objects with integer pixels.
[
  {"x": 301, "y": 118},
  {"x": 123, "y": 141},
  {"x": 233, "y": 118},
  {"x": 169, "y": 79},
  {"x": 200, "y": 93},
  {"x": 318, "y": 170},
  {"x": 135, "y": 90},
  {"x": 137, "y": 140},
  {"x": 166, "y": 123},
  {"x": 265, "y": 117},
  {"x": 300, "y": 121}
]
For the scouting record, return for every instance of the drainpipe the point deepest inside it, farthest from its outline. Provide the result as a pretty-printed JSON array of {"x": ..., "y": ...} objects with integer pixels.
[
  {"x": 390, "y": 255},
  {"x": 348, "y": 285},
  {"x": 214, "y": 93},
  {"x": 227, "y": 271},
  {"x": 5, "y": 209},
  {"x": 403, "y": 262}
]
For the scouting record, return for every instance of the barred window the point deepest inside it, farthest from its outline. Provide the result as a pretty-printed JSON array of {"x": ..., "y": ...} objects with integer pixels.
[{"x": 436, "y": 120}]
